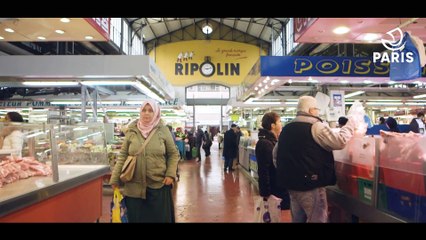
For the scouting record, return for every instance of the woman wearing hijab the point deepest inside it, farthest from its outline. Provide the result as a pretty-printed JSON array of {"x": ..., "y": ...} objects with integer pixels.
[{"x": 148, "y": 194}]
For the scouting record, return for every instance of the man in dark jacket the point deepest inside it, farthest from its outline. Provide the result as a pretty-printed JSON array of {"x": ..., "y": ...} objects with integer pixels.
[
  {"x": 230, "y": 147},
  {"x": 199, "y": 142},
  {"x": 305, "y": 163},
  {"x": 207, "y": 143}
]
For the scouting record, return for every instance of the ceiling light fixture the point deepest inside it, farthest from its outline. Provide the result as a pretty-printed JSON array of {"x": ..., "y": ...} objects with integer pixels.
[
  {"x": 41, "y": 38},
  {"x": 50, "y": 83},
  {"x": 143, "y": 89},
  {"x": 291, "y": 103},
  {"x": 1, "y": 38},
  {"x": 384, "y": 103},
  {"x": 354, "y": 94},
  {"x": 341, "y": 30},
  {"x": 419, "y": 96},
  {"x": 88, "y": 37},
  {"x": 65, "y": 20},
  {"x": 371, "y": 36},
  {"x": 138, "y": 85},
  {"x": 134, "y": 102},
  {"x": 415, "y": 104},
  {"x": 60, "y": 31},
  {"x": 107, "y": 83},
  {"x": 9, "y": 30},
  {"x": 65, "y": 102},
  {"x": 207, "y": 28}
]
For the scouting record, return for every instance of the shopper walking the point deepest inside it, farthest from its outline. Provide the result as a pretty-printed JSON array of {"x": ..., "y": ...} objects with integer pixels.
[
  {"x": 305, "y": 163},
  {"x": 180, "y": 142},
  {"x": 148, "y": 195},
  {"x": 268, "y": 135},
  {"x": 207, "y": 143},
  {"x": 230, "y": 147},
  {"x": 199, "y": 141}
]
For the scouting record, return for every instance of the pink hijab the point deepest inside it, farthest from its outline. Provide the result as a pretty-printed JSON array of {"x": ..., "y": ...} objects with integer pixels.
[{"x": 146, "y": 128}]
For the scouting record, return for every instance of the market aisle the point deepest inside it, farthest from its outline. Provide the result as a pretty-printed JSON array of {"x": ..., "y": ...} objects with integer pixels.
[{"x": 205, "y": 193}]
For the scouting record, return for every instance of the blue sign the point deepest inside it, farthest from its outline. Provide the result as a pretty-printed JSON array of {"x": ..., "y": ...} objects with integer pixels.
[
  {"x": 323, "y": 66},
  {"x": 406, "y": 69}
]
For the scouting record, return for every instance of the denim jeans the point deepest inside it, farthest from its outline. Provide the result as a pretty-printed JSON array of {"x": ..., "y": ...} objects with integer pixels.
[{"x": 309, "y": 206}]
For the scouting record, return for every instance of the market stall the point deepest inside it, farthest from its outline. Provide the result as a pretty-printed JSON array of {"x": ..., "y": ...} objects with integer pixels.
[
  {"x": 381, "y": 179},
  {"x": 58, "y": 177}
]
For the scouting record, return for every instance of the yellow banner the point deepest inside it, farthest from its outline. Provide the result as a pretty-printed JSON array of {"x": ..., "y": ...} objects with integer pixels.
[{"x": 205, "y": 61}]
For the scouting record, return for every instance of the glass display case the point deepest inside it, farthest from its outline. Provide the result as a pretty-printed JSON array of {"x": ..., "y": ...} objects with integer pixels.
[
  {"x": 247, "y": 156},
  {"x": 402, "y": 171},
  {"x": 242, "y": 153},
  {"x": 43, "y": 161},
  {"x": 381, "y": 178},
  {"x": 354, "y": 166},
  {"x": 81, "y": 144}
]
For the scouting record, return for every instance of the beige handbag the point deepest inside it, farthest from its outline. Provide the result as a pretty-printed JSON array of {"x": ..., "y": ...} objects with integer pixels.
[{"x": 129, "y": 165}]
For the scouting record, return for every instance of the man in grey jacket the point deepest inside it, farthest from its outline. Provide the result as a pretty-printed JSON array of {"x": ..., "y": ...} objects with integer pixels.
[{"x": 305, "y": 163}]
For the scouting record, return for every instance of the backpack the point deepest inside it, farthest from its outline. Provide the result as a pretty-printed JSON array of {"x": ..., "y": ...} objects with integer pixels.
[{"x": 207, "y": 140}]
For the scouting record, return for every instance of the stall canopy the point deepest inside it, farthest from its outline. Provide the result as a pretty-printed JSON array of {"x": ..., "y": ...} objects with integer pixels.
[
  {"x": 107, "y": 73},
  {"x": 274, "y": 73}
]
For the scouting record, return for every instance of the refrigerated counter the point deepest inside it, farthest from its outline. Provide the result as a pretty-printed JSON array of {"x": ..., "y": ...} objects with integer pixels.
[
  {"x": 246, "y": 151},
  {"x": 58, "y": 175},
  {"x": 76, "y": 197},
  {"x": 247, "y": 155},
  {"x": 381, "y": 178}
]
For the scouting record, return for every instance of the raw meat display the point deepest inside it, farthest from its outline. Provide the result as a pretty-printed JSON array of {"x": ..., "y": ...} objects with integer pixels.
[{"x": 12, "y": 169}]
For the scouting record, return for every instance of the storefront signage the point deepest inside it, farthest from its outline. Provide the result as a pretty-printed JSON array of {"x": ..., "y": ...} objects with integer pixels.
[
  {"x": 199, "y": 61},
  {"x": 337, "y": 105},
  {"x": 324, "y": 66},
  {"x": 102, "y": 25},
  {"x": 219, "y": 69},
  {"x": 301, "y": 25},
  {"x": 24, "y": 104},
  {"x": 173, "y": 102},
  {"x": 398, "y": 52}
]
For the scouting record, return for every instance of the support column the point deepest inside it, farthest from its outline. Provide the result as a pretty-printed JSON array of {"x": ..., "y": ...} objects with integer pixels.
[
  {"x": 221, "y": 117},
  {"x": 83, "y": 103},
  {"x": 95, "y": 105},
  {"x": 193, "y": 117}
]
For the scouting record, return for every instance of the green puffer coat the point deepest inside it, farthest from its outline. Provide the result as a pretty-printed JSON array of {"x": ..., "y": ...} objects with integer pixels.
[{"x": 159, "y": 160}]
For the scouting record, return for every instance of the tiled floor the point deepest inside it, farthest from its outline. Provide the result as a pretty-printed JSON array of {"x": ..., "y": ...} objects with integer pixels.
[{"x": 205, "y": 193}]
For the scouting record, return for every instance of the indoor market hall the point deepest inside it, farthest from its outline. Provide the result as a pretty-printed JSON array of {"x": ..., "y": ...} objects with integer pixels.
[{"x": 212, "y": 120}]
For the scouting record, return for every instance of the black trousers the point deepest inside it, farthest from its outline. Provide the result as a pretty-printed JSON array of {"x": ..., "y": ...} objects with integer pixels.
[
  {"x": 207, "y": 150},
  {"x": 157, "y": 207}
]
